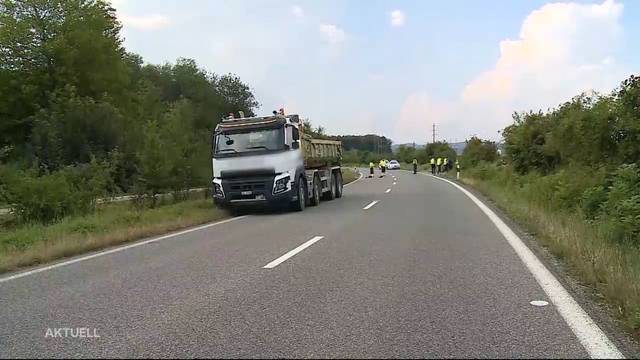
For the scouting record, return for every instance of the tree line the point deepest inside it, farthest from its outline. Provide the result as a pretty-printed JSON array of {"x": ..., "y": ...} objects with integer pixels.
[{"x": 81, "y": 117}]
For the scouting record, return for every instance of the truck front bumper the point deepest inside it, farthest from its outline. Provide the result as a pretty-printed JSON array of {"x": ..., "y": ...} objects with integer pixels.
[{"x": 251, "y": 192}]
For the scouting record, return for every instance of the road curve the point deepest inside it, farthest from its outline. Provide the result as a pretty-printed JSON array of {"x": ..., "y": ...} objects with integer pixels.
[{"x": 411, "y": 269}]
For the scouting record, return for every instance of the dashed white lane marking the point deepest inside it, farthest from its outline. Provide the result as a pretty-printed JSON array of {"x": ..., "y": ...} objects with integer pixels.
[
  {"x": 388, "y": 191},
  {"x": 122, "y": 248},
  {"x": 394, "y": 183},
  {"x": 372, "y": 204},
  {"x": 592, "y": 338},
  {"x": 539, "y": 303},
  {"x": 291, "y": 253}
]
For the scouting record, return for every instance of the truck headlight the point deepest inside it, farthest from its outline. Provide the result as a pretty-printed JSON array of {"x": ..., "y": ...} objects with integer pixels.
[
  {"x": 281, "y": 185},
  {"x": 217, "y": 188}
]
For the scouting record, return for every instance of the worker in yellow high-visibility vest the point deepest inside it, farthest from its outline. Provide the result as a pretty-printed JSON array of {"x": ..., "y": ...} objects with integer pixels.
[
  {"x": 445, "y": 164},
  {"x": 433, "y": 166},
  {"x": 383, "y": 167},
  {"x": 439, "y": 163},
  {"x": 371, "y": 167},
  {"x": 415, "y": 166}
]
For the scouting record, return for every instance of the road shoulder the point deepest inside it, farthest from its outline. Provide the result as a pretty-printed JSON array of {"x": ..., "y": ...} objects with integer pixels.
[{"x": 585, "y": 296}]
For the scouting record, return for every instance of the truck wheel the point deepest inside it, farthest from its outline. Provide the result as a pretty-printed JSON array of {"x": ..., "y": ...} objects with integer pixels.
[
  {"x": 332, "y": 192},
  {"x": 338, "y": 183},
  {"x": 315, "y": 199},
  {"x": 300, "y": 203}
]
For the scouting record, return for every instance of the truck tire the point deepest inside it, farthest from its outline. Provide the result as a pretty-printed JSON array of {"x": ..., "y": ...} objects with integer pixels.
[
  {"x": 338, "y": 183},
  {"x": 299, "y": 204},
  {"x": 315, "y": 199},
  {"x": 331, "y": 194}
]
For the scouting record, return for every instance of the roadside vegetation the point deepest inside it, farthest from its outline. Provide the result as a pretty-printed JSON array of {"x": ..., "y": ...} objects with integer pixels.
[
  {"x": 349, "y": 175},
  {"x": 100, "y": 122},
  {"x": 571, "y": 176}
]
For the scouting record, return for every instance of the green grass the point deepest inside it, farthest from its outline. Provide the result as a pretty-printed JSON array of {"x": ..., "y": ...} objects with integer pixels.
[{"x": 611, "y": 268}]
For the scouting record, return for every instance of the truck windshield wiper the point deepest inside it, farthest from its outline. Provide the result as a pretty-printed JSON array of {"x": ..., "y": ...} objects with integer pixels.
[{"x": 257, "y": 147}]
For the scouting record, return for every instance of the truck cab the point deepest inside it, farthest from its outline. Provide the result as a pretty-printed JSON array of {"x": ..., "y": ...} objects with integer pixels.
[{"x": 261, "y": 161}]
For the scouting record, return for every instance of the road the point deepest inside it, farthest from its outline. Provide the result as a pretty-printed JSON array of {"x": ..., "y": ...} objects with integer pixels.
[{"x": 422, "y": 272}]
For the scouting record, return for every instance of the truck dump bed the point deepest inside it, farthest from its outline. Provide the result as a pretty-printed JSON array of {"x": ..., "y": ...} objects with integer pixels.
[{"x": 319, "y": 153}]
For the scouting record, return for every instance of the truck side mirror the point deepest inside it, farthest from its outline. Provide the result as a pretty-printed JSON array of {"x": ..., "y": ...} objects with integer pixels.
[
  {"x": 295, "y": 133},
  {"x": 296, "y": 145}
]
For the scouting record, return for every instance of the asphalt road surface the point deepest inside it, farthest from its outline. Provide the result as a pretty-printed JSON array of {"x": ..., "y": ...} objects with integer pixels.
[{"x": 422, "y": 272}]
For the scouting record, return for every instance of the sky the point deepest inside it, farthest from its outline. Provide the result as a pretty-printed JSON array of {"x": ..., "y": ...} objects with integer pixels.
[{"x": 394, "y": 68}]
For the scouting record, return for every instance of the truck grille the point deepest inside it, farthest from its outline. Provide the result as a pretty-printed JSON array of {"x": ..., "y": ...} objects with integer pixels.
[{"x": 248, "y": 186}]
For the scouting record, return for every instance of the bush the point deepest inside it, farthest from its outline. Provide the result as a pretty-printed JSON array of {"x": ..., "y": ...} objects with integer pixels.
[
  {"x": 51, "y": 197},
  {"x": 622, "y": 206},
  {"x": 592, "y": 201},
  {"x": 44, "y": 199}
]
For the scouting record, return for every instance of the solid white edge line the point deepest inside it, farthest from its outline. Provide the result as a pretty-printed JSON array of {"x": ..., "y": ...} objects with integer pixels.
[
  {"x": 118, "y": 249},
  {"x": 592, "y": 338},
  {"x": 371, "y": 204},
  {"x": 291, "y": 253}
]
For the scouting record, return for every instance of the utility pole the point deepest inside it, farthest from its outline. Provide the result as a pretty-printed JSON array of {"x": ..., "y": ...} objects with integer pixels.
[{"x": 434, "y": 133}]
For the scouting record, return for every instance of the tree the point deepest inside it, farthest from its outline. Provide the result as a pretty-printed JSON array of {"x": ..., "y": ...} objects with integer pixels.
[
  {"x": 478, "y": 150},
  {"x": 525, "y": 142},
  {"x": 406, "y": 154},
  {"x": 440, "y": 149},
  {"x": 235, "y": 94},
  {"x": 47, "y": 45},
  {"x": 626, "y": 130},
  {"x": 73, "y": 129},
  {"x": 155, "y": 162}
]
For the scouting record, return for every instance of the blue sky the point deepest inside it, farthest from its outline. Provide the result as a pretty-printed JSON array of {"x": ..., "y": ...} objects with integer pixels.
[{"x": 396, "y": 67}]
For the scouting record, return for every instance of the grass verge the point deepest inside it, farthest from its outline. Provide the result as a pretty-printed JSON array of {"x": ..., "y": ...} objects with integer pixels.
[
  {"x": 611, "y": 268},
  {"x": 349, "y": 175}
]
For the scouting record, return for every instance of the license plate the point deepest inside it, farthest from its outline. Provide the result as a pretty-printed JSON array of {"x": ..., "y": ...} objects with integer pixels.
[{"x": 247, "y": 192}]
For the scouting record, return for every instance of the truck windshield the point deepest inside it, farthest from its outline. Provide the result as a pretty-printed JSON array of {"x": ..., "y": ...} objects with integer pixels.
[{"x": 249, "y": 141}]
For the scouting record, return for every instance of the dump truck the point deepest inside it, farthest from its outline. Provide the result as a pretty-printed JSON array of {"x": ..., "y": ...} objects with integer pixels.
[{"x": 269, "y": 160}]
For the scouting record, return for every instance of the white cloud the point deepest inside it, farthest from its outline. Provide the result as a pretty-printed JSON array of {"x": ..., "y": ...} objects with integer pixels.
[
  {"x": 332, "y": 34},
  {"x": 563, "y": 49},
  {"x": 147, "y": 22},
  {"x": 297, "y": 11},
  {"x": 397, "y": 18}
]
